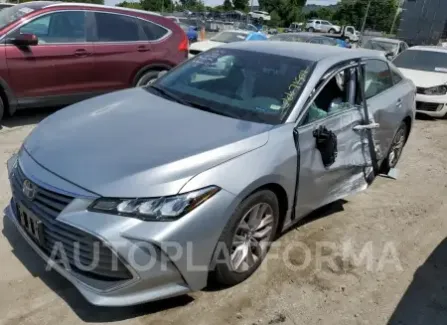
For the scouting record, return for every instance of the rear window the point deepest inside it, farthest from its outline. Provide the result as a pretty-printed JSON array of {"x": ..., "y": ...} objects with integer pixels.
[
  {"x": 246, "y": 85},
  {"x": 11, "y": 14},
  {"x": 153, "y": 31}
]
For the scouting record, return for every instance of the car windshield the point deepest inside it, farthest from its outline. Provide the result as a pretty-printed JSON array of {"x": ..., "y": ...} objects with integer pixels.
[
  {"x": 381, "y": 46},
  {"x": 245, "y": 85},
  {"x": 229, "y": 37},
  {"x": 11, "y": 14},
  {"x": 422, "y": 60}
]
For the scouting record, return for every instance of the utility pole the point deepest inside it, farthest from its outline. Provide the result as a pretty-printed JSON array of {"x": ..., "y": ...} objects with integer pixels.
[{"x": 365, "y": 17}]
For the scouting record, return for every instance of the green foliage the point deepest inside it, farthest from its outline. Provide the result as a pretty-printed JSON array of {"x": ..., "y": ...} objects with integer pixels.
[
  {"x": 241, "y": 5},
  {"x": 227, "y": 5},
  {"x": 98, "y": 2},
  {"x": 133, "y": 5}
]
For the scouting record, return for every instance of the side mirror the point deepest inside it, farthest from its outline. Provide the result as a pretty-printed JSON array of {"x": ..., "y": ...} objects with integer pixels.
[{"x": 25, "y": 40}]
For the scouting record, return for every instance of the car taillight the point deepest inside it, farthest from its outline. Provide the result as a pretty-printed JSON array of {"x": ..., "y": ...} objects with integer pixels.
[{"x": 184, "y": 44}]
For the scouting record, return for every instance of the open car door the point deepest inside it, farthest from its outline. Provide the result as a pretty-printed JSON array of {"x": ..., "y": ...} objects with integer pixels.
[{"x": 334, "y": 137}]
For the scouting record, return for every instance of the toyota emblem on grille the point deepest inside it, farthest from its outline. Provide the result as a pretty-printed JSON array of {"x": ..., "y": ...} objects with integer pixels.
[{"x": 29, "y": 189}]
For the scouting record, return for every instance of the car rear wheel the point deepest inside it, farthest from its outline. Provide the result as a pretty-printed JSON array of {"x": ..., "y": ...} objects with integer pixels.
[
  {"x": 246, "y": 238},
  {"x": 311, "y": 29},
  {"x": 331, "y": 31},
  {"x": 2, "y": 109},
  {"x": 396, "y": 149},
  {"x": 147, "y": 78}
]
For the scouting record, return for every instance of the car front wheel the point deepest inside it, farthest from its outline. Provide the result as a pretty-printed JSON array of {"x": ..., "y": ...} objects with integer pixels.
[
  {"x": 311, "y": 29},
  {"x": 246, "y": 238},
  {"x": 147, "y": 78}
]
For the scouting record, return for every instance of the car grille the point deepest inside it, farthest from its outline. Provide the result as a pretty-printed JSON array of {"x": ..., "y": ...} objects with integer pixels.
[
  {"x": 433, "y": 107},
  {"x": 195, "y": 52},
  {"x": 47, "y": 205}
]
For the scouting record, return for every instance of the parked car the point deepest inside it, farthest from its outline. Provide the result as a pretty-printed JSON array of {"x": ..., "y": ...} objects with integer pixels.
[
  {"x": 227, "y": 36},
  {"x": 294, "y": 28},
  {"x": 204, "y": 167},
  {"x": 57, "y": 53},
  {"x": 304, "y": 38},
  {"x": 388, "y": 46},
  {"x": 322, "y": 26},
  {"x": 261, "y": 15},
  {"x": 191, "y": 32},
  {"x": 426, "y": 66}
]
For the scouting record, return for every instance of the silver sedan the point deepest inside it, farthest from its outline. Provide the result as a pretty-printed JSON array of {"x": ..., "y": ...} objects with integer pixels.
[{"x": 145, "y": 193}]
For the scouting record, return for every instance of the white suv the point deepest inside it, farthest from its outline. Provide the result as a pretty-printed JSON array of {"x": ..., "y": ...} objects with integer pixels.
[
  {"x": 323, "y": 26},
  {"x": 259, "y": 15}
]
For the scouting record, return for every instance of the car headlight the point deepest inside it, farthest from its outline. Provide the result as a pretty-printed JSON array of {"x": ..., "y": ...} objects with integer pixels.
[
  {"x": 168, "y": 208},
  {"x": 438, "y": 90}
]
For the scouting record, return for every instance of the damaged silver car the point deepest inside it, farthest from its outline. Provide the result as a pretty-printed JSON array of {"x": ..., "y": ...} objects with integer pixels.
[{"x": 146, "y": 193}]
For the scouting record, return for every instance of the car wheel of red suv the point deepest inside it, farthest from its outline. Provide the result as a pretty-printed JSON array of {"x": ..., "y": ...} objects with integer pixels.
[
  {"x": 147, "y": 78},
  {"x": 2, "y": 108}
]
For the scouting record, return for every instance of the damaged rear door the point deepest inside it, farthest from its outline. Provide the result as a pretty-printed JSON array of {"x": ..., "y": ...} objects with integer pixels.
[{"x": 334, "y": 138}]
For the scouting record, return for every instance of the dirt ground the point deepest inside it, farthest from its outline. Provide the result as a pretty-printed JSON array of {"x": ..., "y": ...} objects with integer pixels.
[{"x": 402, "y": 223}]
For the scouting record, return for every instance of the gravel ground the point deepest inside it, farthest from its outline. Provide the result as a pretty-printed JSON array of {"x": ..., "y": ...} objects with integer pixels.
[{"x": 402, "y": 222}]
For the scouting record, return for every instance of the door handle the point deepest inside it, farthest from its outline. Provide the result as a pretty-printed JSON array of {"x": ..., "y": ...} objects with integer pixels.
[
  {"x": 366, "y": 126},
  {"x": 143, "y": 48},
  {"x": 81, "y": 52}
]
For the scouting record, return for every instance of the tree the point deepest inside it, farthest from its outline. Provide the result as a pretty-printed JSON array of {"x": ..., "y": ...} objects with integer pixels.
[
  {"x": 99, "y": 2},
  {"x": 227, "y": 5},
  {"x": 157, "y": 5},
  {"x": 241, "y": 5},
  {"x": 133, "y": 5}
]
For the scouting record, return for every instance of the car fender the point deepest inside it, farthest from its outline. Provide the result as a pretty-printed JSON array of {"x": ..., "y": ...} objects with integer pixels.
[{"x": 10, "y": 97}]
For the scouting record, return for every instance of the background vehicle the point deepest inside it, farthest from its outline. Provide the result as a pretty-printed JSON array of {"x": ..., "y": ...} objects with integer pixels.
[
  {"x": 426, "y": 66},
  {"x": 388, "y": 46},
  {"x": 346, "y": 33},
  {"x": 228, "y": 36},
  {"x": 294, "y": 28},
  {"x": 5, "y": 5},
  {"x": 81, "y": 50},
  {"x": 322, "y": 26},
  {"x": 304, "y": 38},
  {"x": 209, "y": 152},
  {"x": 261, "y": 15}
]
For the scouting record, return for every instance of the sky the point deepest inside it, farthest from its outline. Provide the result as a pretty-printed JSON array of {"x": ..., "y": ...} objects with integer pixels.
[{"x": 219, "y": 2}]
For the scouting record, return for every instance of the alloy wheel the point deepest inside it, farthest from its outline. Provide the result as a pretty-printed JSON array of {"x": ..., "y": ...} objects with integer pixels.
[
  {"x": 397, "y": 147},
  {"x": 251, "y": 238}
]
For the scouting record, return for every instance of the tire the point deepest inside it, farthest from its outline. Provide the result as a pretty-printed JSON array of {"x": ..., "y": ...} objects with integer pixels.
[
  {"x": 331, "y": 31},
  {"x": 2, "y": 109},
  {"x": 224, "y": 270},
  {"x": 310, "y": 29},
  {"x": 147, "y": 78},
  {"x": 393, "y": 156}
]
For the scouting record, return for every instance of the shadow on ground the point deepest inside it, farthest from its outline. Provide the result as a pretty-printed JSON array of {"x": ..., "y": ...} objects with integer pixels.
[
  {"x": 425, "y": 301},
  {"x": 26, "y": 117},
  {"x": 57, "y": 283}
]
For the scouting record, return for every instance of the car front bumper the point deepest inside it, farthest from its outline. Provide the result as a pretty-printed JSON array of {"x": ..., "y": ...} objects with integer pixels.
[
  {"x": 164, "y": 259},
  {"x": 435, "y": 106}
]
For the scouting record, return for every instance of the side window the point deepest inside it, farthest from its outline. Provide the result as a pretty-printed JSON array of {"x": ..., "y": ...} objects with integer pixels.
[
  {"x": 152, "y": 31},
  {"x": 377, "y": 78},
  {"x": 118, "y": 28},
  {"x": 59, "y": 27},
  {"x": 340, "y": 93}
]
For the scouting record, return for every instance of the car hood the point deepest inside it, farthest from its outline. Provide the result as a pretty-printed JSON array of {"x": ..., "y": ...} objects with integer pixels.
[
  {"x": 204, "y": 45},
  {"x": 425, "y": 79},
  {"x": 132, "y": 143}
]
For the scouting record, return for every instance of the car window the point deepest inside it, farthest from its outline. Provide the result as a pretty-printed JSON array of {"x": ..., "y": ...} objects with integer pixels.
[
  {"x": 395, "y": 75},
  {"x": 377, "y": 78},
  {"x": 118, "y": 28},
  {"x": 336, "y": 96},
  {"x": 328, "y": 41},
  {"x": 58, "y": 27},
  {"x": 324, "y": 22},
  {"x": 247, "y": 85},
  {"x": 154, "y": 32}
]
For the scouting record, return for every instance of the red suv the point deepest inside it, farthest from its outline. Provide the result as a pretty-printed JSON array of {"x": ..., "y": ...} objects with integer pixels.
[{"x": 57, "y": 53}]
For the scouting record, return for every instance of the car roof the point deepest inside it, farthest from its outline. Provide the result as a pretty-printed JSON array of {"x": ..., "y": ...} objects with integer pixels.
[
  {"x": 304, "y": 51},
  {"x": 429, "y": 48},
  {"x": 384, "y": 39},
  {"x": 91, "y": 5},
  {"x": 239, "y": 31}
]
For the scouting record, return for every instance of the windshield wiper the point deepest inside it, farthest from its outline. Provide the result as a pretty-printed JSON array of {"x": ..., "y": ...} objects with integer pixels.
[
  {"x": 211, "y": 110},
  {"x": 169, "y": 94}
]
